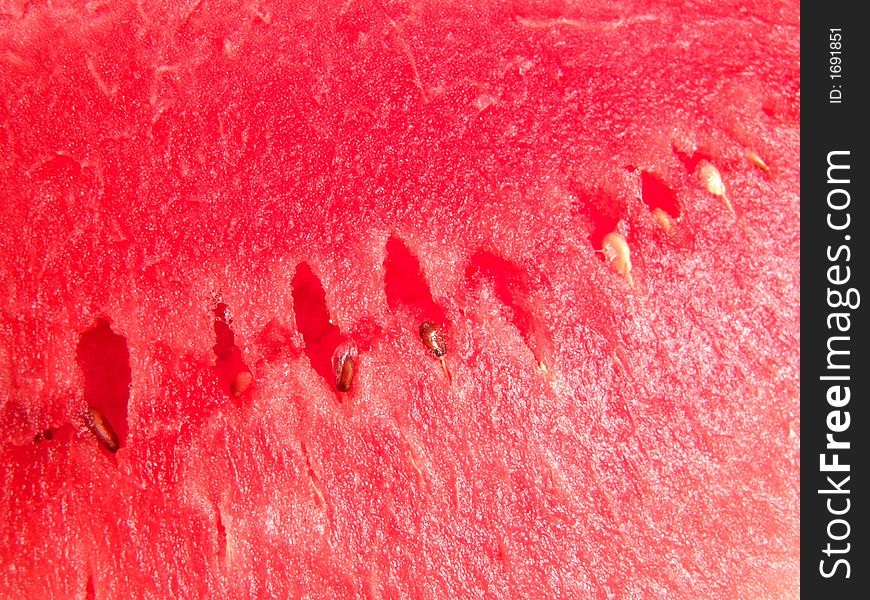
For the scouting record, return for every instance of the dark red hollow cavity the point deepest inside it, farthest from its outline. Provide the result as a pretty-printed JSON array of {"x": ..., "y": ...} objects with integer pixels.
[
  {"x": 406, "y": 286},
  {"x": 512, "y": 287},
  {"x": 105, "y": 361},
  {"x": 233, "y": 374},
  {"x": 603, "y": 209},
  {"x": 43, "y": 436},
  {"x": 602, "y": 226},
  {"x": 691, "y": 161},
  {"x": 657, "y": 195},
  {"x": 221, "y": 535},
  {"x": 312, "y": 319}
]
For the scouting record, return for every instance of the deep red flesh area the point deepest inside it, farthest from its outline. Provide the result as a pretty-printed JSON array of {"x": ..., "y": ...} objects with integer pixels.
[{"x": 201, "y": 190}]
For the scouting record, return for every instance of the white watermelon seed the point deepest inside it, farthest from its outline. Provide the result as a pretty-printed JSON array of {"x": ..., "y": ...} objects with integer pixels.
[
  {"x": 617, "y": 254},
  {"x": 712, "y": 179}
]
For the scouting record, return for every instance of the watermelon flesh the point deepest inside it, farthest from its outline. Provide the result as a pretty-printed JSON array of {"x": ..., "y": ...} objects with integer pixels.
[{"x": 206, "y": 203}]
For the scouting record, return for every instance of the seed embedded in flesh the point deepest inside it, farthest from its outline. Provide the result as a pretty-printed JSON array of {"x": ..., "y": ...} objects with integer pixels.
[
  {"x": 616, "y": 253},
  {"x": 712, "y": 179},
  {"x": 664, "y": 220},
  {"x": 103, "y": 430},
  {"x": 433, "y": 337},
  {"x": 756, "y": 160},
  {"x": 241, "y": 383},
  {"x": 345, "y": 377},
  {"x": 344, "y": 364}
]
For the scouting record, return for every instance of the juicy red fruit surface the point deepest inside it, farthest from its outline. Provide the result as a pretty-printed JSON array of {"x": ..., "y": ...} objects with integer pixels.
[{"x": 199, "y": 191}]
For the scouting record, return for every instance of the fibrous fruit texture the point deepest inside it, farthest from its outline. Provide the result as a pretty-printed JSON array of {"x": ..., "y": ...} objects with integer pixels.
[{"x": 399, "y": 299}]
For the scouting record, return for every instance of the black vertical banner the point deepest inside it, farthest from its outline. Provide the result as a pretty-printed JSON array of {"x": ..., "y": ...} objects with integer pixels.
[{"x": 834, "y": 338}]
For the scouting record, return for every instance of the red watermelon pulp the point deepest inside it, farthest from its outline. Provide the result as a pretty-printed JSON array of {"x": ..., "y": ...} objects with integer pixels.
[{"x": 210, "y": 208}]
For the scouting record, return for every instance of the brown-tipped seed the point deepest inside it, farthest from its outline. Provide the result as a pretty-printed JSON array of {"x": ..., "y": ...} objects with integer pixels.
[
  {"x": 101, "y": 427},
  {"x": 345, "y": 376},
  {"x": 434, "y": 338},
  {"x": 344, "y": 365},
  {"x": 756, "y": 160}
]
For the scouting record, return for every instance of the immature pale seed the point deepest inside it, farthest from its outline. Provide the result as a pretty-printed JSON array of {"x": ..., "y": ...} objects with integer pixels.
[
  {"x": 433, "y": 337},
  {"x": 616, "y": 252},
  {"x": 241, "y": 383},
  {"x": 712, "y": 179},
  {"x": 665, "y": 220},
  {"x": 102, "y": 429}
]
